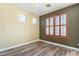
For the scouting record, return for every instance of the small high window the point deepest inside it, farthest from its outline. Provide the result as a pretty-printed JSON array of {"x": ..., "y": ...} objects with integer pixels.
[
  {"x": 21, "y": 18},
  {"x": 34, "y": 20}
]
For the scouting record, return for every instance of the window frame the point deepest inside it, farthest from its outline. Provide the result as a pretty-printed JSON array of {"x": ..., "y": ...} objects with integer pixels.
[
  {"x": 58, "y": 25},
  {"x": 66, "y": 25},
  {"x": 47, "y": 26}
]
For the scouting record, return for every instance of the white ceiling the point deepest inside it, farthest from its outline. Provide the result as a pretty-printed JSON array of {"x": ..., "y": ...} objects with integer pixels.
[{"x": 41, "y": 9}]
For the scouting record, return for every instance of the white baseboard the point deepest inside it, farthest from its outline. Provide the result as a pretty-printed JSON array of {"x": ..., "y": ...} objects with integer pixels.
[
  {"x": 4, "y": 49},
  {"x": 68, "y": 47}
]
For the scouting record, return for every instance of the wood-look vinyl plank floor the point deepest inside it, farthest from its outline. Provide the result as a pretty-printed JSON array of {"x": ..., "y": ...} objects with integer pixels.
[{"x": 39, "y": 49}]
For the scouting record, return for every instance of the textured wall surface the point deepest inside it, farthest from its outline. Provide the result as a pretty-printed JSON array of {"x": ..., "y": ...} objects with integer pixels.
[
  {"x": 12, "y": 32},
  {"x": 73, "y": 26}
]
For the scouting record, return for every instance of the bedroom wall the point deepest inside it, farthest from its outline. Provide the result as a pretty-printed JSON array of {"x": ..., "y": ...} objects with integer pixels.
[
  {"x": 73, "y": 27},
  {"x": 12, "y": 32}
]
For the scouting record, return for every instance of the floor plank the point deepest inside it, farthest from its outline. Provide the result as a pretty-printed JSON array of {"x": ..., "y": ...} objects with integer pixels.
[{"x": 40, "y": 49}]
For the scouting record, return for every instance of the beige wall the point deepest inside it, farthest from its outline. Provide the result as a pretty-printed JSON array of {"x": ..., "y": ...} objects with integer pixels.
[{"x": 12, "y": 32}]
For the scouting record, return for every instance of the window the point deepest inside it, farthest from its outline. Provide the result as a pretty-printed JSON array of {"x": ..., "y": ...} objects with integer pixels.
[
  {"x": 21, "y": 18},
  {"x": 51, "y": 21},
  {"x": 63, "y": 25},
  {"x": 56, "y": 30},
  {"x": 56, "y": 25},
  {"x": 51, "y": 26},
  {"x": 51, "y": 30},
  {"x": 57, "y": 20},
  {"x": 63, "y": 30},
  {"x": 47, "y": 26},
  {"x": 34, "y": 20}
]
